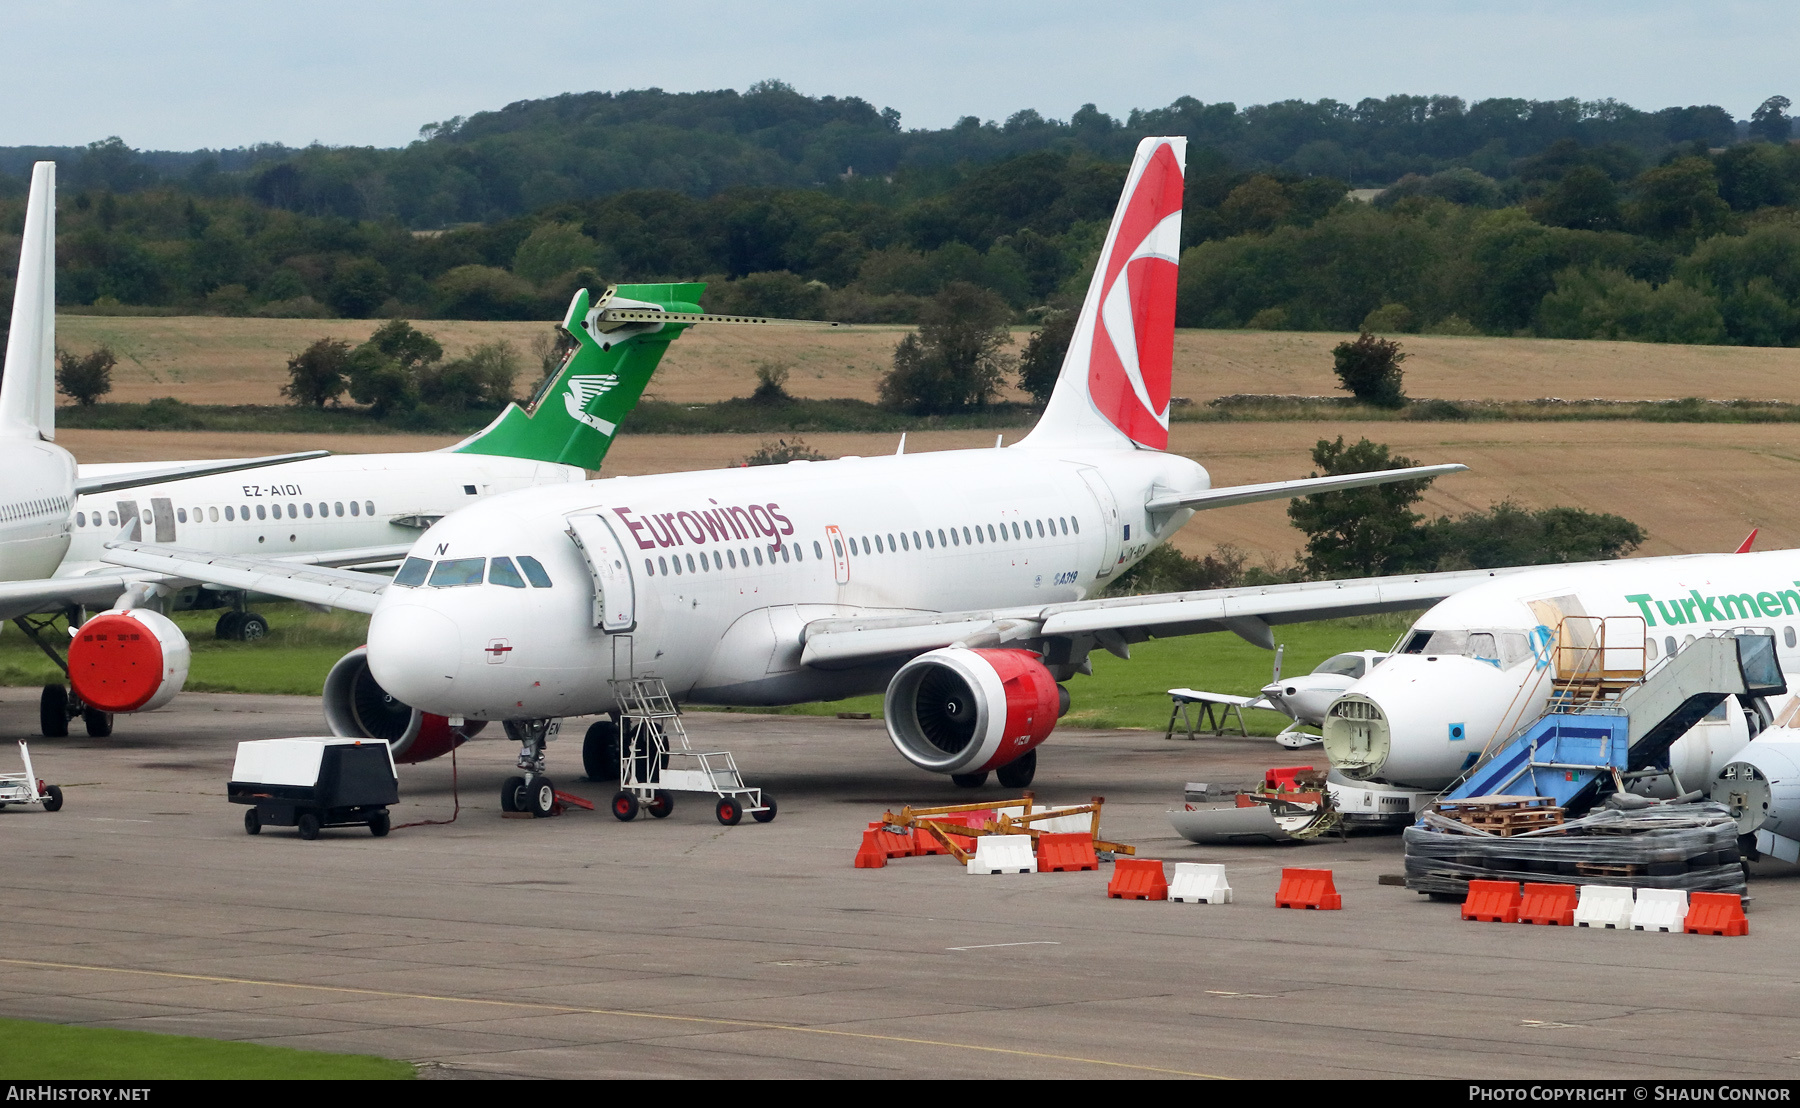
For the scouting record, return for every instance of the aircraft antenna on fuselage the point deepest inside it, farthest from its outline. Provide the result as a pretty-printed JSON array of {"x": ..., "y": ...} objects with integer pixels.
[{"x": 28, "y": 388}]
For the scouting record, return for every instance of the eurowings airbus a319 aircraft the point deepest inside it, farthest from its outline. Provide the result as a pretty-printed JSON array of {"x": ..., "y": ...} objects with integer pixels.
[{"x": 957, "y": 581}]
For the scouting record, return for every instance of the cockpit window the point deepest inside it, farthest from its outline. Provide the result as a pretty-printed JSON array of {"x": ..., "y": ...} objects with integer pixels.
[
  {"x": 452, "y": 572},
  {"x": 534, "y": 572},
  {"x": 413, "y": 572},
  {"x": 501, "y": 572},
  {"x": 1501, "y": 648},
  {"x": 1349, "y": 665}
]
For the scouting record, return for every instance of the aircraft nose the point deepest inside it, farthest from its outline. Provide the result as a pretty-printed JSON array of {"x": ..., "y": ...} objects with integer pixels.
[
  {"x": 414, "y": 653},
  {"x": 1358, "y": 735}
]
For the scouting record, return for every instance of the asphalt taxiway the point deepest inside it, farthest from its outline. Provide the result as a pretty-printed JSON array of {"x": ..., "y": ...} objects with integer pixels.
[{"x": 583, "y": 947}]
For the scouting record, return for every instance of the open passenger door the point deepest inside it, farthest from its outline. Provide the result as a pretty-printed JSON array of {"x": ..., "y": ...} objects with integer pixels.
[{"x": 615, "y": 597}]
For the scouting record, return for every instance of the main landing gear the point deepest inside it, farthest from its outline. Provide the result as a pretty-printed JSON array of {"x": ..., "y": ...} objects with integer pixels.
[
  {"x": 59, "y": 704},
  {"x": 1016, "y": 774},
  {"x": 241, "y": 626},
  {"x": 533, "y": 792}
]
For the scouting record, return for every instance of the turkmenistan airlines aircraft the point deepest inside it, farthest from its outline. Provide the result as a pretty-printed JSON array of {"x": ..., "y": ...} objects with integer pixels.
[
  {"x": 957, "y": 581},
  {"x": 340, "y": 510}
]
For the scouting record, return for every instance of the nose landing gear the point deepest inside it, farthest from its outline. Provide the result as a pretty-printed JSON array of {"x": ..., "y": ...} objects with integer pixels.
[{"x": 534, "y": 792}]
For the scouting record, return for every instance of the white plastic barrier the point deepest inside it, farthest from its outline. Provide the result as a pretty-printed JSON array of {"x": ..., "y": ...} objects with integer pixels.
[
  {"x": 1660, "y": 910},
  {"x": 1604, "y": 906},
  {"x": 1003, "y": 854},
  {"x": 1200, "y": 883}
]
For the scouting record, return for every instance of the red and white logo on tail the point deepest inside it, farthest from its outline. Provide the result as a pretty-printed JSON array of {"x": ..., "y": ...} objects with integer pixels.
[{"x": 1121, "y": 356}]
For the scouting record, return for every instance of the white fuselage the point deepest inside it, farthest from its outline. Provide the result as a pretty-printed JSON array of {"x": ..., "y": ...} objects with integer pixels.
[
  {"x": 919, "y": 533},
  {"x": 1478, "y": 665},
  {"x": 35, "y": 499},
  {"x": 346, "y": 501}
]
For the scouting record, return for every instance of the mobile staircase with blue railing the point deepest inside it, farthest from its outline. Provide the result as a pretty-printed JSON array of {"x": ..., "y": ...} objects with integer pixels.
[{"x": 1605, "y": 727}]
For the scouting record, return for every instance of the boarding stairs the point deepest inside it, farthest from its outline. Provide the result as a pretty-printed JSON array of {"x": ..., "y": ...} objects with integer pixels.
[
  {"x": 1606, "y": 723},
  {"x": 656, "y": 758}
]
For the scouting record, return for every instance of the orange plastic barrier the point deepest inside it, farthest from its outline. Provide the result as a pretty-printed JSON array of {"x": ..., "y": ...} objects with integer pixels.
[
  {"x": 1069, "y": 853},
  {"x": 1553, "y": 905},
  {"x": 871, "y": 855},
  {"x": 926, "y": 844},
  {"x": 1138, "y": 879},
  {"x": 1716, "y": 914},
  {"x": 1492, "y": 902},
  {"x": 1280, "y": 779},
  {"x": 894, "y": 846},
  {"x": 1307, "y": 888}
]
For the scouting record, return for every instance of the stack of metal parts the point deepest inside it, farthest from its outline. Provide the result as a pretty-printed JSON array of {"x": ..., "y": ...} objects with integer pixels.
[{"x": 1690, "y": 846}]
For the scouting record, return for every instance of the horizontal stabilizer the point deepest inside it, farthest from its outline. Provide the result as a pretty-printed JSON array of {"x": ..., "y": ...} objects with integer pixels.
[
  {"x": 622, "y": 316},
  {"x": 1285, "y": 490},
  {"x": 112, "y": 482}
]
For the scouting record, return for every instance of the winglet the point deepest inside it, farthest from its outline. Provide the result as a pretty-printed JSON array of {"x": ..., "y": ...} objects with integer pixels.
[
  {"x": 1744, "y": 547},
  {"x": 28, "y": 389}
]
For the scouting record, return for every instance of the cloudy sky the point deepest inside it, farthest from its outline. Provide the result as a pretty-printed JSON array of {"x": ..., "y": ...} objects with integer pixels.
[{"x": 182, "y": 74}]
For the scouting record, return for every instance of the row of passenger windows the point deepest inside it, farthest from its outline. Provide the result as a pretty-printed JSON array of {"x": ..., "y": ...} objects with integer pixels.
[
  {"x": 25, "y": 509},
  {"x": 723, "y": 559},
  {"x": 967, "y": 536},
  {"x": 232, "y": 514},
  {"x": 453, "y": 572}
]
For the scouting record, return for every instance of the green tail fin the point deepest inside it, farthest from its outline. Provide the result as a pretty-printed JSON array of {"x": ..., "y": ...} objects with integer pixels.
[{"x": 573, "y": 418}]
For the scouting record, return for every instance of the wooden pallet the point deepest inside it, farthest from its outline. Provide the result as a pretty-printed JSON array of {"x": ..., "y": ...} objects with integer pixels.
[
  {"x": 1503, "y": 815},
  {"x": 1609, "y": 869}
]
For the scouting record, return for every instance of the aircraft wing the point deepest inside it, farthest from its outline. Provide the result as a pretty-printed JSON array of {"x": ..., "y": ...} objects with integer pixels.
[
  {"x": 1113, "y": 623},
  {"x": 314, "y": 583},
  {"x": 52, "y": 594},
  {"x": 1198, "y": 696},
  {"x": 112, "y": 482},
  {"x": 1287, "y": 490}
]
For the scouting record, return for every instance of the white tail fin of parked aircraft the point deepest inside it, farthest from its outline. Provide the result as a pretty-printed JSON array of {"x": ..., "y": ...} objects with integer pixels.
[
  {"x": 28, "y": 389},
  {"x": 1115, "y": 381}
]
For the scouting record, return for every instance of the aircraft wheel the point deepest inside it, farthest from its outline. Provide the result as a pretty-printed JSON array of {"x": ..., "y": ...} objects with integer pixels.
[
  {"x": 252, "y": 628},
  {"x": 309, "y": 826},
  {"x": 380, "y": 825},
  {"x": 99, "y": 724},
  {"x": 625, "y": 805},
  {"x": 252, "y": 822},
  {"x": 540, "y": 797},
  {"x": 226, "y": 627},
  {"x": 729, "y": 811},
  {"x": 769, "y": 810},
  {"x": 661, "y": 804},
  {"x": 53, "y": 712},
  {"x": 1017, "y": 774},
  {"x": 52, "y": 799},
  {"x": 509, "y": 794},
  {"x": 600, "y": 751},
  {"x": 969, "y": 780}
]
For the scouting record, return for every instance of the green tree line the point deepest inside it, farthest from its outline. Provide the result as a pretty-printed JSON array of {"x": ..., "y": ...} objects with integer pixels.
[{"x": 1592, "y": 221}]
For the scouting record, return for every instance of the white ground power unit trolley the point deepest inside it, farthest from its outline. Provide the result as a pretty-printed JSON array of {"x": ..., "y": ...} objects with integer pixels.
[{"x": 312, "y": 784}]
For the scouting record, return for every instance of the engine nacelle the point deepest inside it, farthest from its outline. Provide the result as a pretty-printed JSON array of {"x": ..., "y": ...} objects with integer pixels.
[
  {"x": 357, "y": 707},
  {"x": 128, "y": 660},
  {"x": 957, "y": 710}
]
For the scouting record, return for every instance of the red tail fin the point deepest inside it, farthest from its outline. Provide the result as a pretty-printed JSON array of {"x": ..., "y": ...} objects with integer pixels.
[{"x": 1744, "y": 547}]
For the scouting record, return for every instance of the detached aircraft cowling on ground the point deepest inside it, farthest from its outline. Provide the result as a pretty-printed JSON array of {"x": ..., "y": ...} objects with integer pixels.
[{"x": 956, "y": 581}]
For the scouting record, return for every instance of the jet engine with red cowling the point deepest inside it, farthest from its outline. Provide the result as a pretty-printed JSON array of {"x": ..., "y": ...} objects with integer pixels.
[
  {"x": 964, "y": 711},
  {"x": 357, "y": 707},
  {"x": 128, "y": 660}
]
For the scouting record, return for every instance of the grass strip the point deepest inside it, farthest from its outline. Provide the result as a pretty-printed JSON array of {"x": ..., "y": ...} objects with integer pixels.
[{"x": 57, "y": 1052}]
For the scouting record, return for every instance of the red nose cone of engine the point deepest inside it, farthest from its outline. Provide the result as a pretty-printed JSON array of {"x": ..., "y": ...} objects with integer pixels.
[{"x": 115, "y": 664}]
